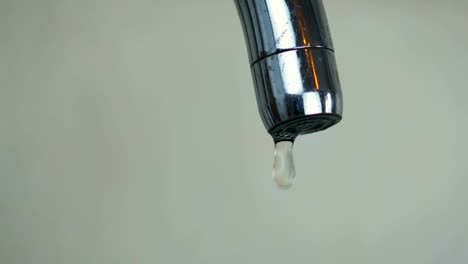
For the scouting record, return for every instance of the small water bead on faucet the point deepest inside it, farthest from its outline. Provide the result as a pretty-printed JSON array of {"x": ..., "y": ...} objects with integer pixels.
[{"x": 284, "y": 172}]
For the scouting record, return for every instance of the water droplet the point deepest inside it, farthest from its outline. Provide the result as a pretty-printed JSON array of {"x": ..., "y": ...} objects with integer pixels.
[{"x": 283, "y": 165}]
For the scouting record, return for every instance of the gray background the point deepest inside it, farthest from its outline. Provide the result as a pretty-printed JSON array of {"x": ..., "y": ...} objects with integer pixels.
[{"x": 129, "y": 133}]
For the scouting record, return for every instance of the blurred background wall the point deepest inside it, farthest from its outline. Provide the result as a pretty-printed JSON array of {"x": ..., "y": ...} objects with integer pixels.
[{"x": 129, "y": 133}]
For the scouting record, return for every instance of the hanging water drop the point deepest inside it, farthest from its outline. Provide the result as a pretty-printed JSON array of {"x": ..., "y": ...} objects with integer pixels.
[{"x": 283, "y": 165}]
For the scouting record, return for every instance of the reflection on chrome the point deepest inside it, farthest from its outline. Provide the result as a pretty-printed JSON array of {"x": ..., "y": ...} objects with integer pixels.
[
  {"x": 283, "y": 31},
  {"x": 291, "y": 72},
  {"x": 312, "y": 103},
  {"x": 328, "y": 103}
]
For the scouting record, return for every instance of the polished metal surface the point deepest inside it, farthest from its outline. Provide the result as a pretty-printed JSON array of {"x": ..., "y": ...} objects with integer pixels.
[
  {"x": 293, "y": 65},
  {"x": 297, "y": 83},
  {"x": 272, "y": 26}
]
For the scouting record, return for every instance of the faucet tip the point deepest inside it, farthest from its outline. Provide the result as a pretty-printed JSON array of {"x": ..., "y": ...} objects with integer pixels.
[{"x": 289, "y": 130}]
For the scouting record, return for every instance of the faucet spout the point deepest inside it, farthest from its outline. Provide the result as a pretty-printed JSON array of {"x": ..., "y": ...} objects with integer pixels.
[{"x": 293, "y": 66}]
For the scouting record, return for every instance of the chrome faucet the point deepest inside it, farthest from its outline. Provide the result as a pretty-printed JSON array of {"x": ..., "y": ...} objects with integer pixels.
[{"x": 293, "y": 65}]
